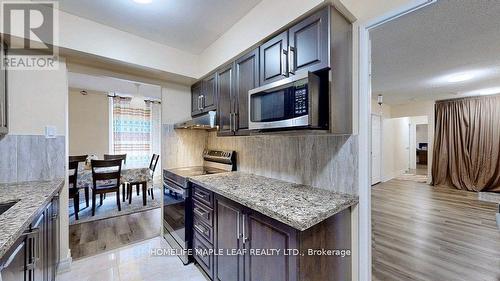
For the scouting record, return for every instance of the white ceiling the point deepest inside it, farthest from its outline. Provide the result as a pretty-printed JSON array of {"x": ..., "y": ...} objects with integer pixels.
[
  {"x": 107, "y": 84},
  {"x": 189, "y": 25},
  {"x": 412, "y": 55}
]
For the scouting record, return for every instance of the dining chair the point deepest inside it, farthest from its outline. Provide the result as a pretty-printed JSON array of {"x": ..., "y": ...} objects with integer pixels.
[
  {"x": 106, "y": 179},
  {"x": 82, "y": 159},
  {"x": 116, "y": 156},
  {"x": 73, "y": 188},
  {"x": 149, "y": 189},
  {"x": 123, "y": 157}
]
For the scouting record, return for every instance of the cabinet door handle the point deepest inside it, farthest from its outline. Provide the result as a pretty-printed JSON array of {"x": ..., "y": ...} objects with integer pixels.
[
  {"x": 199, "y": 228},
  {"x": 244, "y": 229},
  {"x": 291, "y": 60},
  {"x": 230, "y": 122},
  {"x": 238, "y": 234},
  {"x": 199, "y": 212},
  {"x": 235, "y": 124},
  {"x": 202, "y": 101},
  {"x": 284, "y": 70}
]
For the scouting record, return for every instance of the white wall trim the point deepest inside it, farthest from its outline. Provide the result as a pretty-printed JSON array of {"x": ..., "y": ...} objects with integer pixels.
[{"x": 364, "y": 166}]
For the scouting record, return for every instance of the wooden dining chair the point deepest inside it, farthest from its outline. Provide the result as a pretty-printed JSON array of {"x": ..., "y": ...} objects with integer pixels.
[
  {"x": 82, "y": 159},
  {"x": 149, "y": 189},
  {"x": 106, "y": 179},
  {"x": 122, "y": 157},
  {"x": 152, "y": 168},
  {"x": 73, "y": 188}
]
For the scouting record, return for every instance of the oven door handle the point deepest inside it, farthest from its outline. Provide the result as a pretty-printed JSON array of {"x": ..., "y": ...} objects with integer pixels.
[{"x": 173, "y": 187}]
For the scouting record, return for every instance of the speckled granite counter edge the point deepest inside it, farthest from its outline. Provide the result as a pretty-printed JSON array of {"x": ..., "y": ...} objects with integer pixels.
[
  {"x": 7, "y": 244},
  {"x": 281, "y": 218}
]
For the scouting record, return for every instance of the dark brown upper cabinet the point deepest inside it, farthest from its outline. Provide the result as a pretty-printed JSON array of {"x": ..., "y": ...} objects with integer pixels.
[
  {"x": 308, "y": 44},
  {"x": 204, "y": 95},
  {"x": 233, "y": 83},
  {"x": 196, "y": 105},
  {"x": 225, "y": 90},
  {"x": 247, "y": 78},
  {"x": 273, "y": 59},
  {"x": 210, "y": 93},
  {"x": 303, "y": 47}
]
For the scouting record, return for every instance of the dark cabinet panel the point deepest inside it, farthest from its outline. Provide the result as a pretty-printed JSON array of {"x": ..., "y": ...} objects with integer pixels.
[
  {"x": 228, "y": 267},
  {"x": 202, "y": 249},
  {"x": 225, "y": 90},
  {"x": 15, "y": 262},
  {"x": 247, "y": 78},
  {"x": 308, "y": 49},
  {"x": 3, "y": 95},
  {"x": 273, "y": 59},
  {"x": 196, "y": 90},
  {"x": 265, "y": 233},
  {"x": 52, "y": 238},
  {"x": 209, "y": 92}
]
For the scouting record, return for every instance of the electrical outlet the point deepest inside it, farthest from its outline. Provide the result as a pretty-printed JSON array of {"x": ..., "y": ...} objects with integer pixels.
[{"x": 50, "y": 132}]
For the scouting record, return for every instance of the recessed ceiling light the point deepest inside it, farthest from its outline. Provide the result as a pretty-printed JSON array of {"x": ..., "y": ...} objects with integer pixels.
[{"x": 143, "y": 1}]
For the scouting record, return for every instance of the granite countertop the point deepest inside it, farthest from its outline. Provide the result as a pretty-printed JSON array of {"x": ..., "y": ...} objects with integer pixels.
[
  {"x": 299, "y": 206},
  {"x": 31, "y": 197}
]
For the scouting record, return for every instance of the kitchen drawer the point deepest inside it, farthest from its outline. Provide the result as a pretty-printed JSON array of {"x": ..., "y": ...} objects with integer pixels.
[
  {"x": 201, "y": 254},
  {"x": 204, "y": 196},
  {"x": 203, "y": 229},
  {"x": 204, "y": 213}
]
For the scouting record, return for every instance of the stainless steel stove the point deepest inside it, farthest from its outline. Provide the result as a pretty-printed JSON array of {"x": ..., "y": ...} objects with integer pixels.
[{"x": 177, "y": 216}]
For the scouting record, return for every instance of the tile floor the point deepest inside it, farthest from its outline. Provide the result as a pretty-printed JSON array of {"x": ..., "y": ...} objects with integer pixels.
[{"x": 132, "y": 263}]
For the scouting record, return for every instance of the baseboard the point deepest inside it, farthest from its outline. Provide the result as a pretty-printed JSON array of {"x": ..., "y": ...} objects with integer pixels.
[{"x": 64, "y": 265}]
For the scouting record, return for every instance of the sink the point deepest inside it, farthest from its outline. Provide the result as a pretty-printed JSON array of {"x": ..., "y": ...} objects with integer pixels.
[{"x": 5, "y": 206}]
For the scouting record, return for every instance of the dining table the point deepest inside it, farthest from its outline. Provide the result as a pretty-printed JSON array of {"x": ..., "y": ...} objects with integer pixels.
[{"x": 128, "y": 175}]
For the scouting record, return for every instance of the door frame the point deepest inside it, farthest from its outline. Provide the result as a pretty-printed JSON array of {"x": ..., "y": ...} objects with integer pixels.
[
  {"x": 362, "y": 85},
  {"x": 380, "y": 148}
]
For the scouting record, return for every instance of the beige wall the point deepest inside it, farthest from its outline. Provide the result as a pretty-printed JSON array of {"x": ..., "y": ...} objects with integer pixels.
[
  {"x": 176, "y": 103},
  {"x": 424, "y": 108},
  {"x": 88, "y": 123},
  {"x": 37, "y": 99}
]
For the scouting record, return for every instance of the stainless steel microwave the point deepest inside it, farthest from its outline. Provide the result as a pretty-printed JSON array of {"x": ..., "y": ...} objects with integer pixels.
[{"x": 292, "y": 103}]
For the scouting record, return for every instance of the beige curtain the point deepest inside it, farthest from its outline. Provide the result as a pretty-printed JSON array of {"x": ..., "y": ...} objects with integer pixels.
[{"x": 467, "y": 144}]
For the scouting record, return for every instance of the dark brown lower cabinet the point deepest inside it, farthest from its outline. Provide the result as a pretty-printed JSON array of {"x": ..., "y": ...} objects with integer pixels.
[
  {"x": 263, "y": 234},
  {"x": 35, "y": 256},
  {"x": 229, "y": 265},
  {"x": 250, "y": 246}
]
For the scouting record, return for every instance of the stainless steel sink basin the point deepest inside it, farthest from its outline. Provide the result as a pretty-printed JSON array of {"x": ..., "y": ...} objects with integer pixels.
[{"x": 6, "y": 205}]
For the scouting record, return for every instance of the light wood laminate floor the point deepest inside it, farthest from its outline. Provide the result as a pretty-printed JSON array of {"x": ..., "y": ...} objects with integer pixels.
[
  {"x": 422, "y": 232},
  {"x": 92, "y": 238}
]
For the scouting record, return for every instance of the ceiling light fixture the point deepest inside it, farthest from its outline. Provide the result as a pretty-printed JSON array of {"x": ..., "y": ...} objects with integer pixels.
[
  {"x": 484, "y": 92},
  {"x": 462, "y": 76},
  {"x": 143, "y": 1}
]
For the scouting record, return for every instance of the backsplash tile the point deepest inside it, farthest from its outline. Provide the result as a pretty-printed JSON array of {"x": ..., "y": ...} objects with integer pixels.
[
  {"x": 327, "y": 162},
  {"x": 8, "y": 158},
  {"x": 31, "y": 158}
]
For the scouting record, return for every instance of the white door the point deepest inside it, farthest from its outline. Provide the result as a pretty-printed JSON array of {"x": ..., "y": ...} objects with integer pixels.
[{"x": 376, "y": 149}]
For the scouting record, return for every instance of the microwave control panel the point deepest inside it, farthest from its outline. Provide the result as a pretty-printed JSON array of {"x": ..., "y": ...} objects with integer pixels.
[{"x": 301, "y": 100}]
